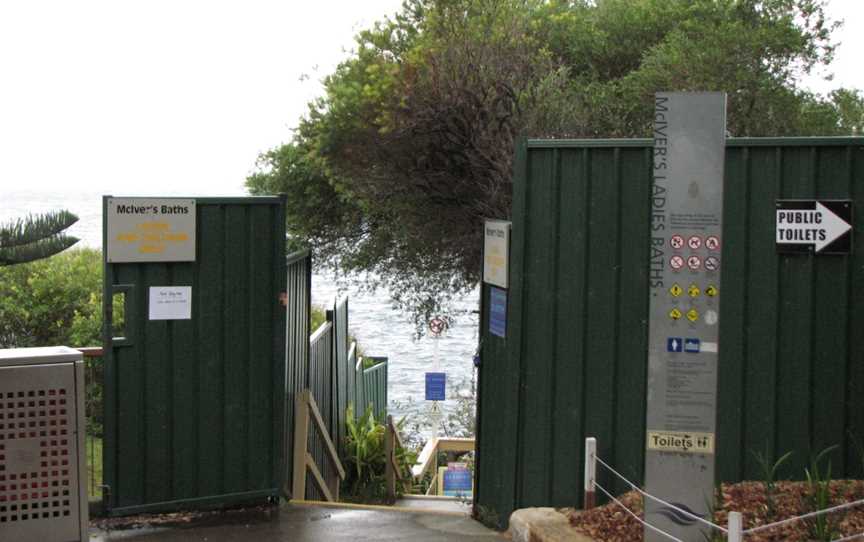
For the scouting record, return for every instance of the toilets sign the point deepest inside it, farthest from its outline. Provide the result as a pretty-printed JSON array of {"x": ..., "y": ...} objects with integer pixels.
[{"x": 823, "y": 227}]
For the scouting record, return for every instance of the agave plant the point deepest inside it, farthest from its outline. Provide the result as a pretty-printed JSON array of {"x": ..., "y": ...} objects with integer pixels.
[
  {"x": 35, "y": 237},
  {"x": 365, "y": 458}
]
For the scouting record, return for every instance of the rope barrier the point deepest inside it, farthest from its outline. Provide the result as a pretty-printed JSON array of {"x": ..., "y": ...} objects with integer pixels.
[
  {"x": 591, "y": 481},
  {"x": 786, "y": 521},
  {"x": 636, "y": 517},
  {"x": 848, "y": 538},
  {"x": 659, "y": 500}
]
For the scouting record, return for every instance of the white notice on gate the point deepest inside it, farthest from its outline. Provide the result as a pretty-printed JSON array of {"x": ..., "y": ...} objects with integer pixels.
[
  {"x": 496, "y": 253},
  {"x": 170, "y": 302}
]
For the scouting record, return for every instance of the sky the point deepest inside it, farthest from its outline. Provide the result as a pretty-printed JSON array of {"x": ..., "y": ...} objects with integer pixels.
[{"x": 135, "y": 97}]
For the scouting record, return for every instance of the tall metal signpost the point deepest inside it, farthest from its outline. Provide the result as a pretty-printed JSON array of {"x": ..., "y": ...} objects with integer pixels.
[{"x": 686, "y": 255}]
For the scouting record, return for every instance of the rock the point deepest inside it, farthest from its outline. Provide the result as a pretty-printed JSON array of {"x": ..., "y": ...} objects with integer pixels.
[{"x": 542, "y": 525}]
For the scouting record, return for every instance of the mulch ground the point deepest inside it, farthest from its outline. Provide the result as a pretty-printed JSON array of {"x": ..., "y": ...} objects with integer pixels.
[
  {"x": 609, "y": 523},
  {"x": 185, "y": 519}
]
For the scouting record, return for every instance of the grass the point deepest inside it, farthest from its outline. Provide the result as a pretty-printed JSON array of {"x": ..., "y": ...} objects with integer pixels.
[{"x": 94, "y": 467}]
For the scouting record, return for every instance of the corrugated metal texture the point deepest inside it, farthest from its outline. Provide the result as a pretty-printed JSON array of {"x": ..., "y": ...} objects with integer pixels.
[
  {"x": 194, "y": 408},
  {"x": 341, "y": 369},
  {"x": 298, "y": 299},
  {"x": 791, "y": 376},
  {"x": 574, "y": 361},
  {"x": 321, "y": 385},
  {"x": 373, "y": 381},
  {"x": 352, "y": 377}
]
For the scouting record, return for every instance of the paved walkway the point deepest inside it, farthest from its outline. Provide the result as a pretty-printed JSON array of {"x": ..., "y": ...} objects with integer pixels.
[{"x": 301, "y": 523}]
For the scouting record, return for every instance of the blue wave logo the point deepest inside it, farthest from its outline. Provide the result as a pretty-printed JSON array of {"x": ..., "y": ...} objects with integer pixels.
[{"x": 676, "y": 516}]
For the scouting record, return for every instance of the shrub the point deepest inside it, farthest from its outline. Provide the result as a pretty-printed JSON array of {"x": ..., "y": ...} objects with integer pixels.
[
  {"x": 365, "y": 459},
  {"x": 55, "y": 301}
]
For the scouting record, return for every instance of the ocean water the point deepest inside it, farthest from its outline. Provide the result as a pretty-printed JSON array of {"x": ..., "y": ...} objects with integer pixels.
[{"x": 379, "y": 329}]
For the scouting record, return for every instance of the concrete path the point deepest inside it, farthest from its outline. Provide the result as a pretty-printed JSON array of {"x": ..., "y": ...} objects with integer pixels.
[
  {"x": 302, "y": 522},
  {"x": 442, "y": 504}
]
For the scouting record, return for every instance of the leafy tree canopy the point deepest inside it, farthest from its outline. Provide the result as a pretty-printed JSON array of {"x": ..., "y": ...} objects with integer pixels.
[{"x": 393, "y": 170}]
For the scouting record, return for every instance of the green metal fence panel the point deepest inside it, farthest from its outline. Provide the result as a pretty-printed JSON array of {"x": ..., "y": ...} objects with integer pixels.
[
  {"x": 194, "y": 408},
  {"x": 341, "y": 369},
  {"x": 321, "y": 385},
  {"x": 374, "y": 383},
  {"x": 298, "y": 303},
  {"x": 573, "y": 363},
  {"x": 351, "y": 396}
]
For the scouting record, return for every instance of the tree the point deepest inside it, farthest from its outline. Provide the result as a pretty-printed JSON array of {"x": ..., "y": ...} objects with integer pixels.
[
  {"x": 411, "y": 146},
  {"x": 35, "y": 237}
]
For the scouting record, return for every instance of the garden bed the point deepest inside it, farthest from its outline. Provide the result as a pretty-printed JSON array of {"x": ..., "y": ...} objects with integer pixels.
[{"x": 609, "y": 523}]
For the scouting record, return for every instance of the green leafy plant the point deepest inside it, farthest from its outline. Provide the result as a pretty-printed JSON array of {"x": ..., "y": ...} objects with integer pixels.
[
  {"x": 769, "y": 467},
  {"x": 365, "y": 461},
  {"x": 53, "y": 301},
  {"x": 35, "y": 237},
  {"x": 821, "y": 527}
]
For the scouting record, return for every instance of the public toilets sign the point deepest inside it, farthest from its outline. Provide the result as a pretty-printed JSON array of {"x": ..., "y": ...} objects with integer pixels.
[
  {"x": 823, "y": 227},
  {"x": 150, "y": 230},
  {"x": 684, "y": 274}
]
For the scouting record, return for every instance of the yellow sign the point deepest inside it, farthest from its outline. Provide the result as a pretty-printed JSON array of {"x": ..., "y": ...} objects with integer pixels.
[
  {"x": 675, "y": 290},
  {"x": 496, "y": 253},
  {"x": 681, "y": 442},
  {"x": 675, "y": 314},
  {"x": 711, "y": 291},
  {"x": 692, "y": 315},
  {"x": 150, "y": 229},
  {"x": 693, "y": 290}
]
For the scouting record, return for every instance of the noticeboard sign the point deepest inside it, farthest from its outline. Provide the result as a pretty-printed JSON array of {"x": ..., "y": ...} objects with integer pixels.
[
  {"x": 496, "y": 253},
  {"x": 150, "y": 230},
  {"x": 456, "y": 481},
  {"x": 814, "y": 226},
  {"x": 170, "y": 303},
  {"x": 436, "y": 386},
  {"x": 498, "y": 312}
]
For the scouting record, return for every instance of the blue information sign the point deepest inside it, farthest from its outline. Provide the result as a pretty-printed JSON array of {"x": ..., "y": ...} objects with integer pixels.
[
  {"x": 435, "y": 386},
  {"x": 457, "y": 482},
  {"x": 498, "y": 312}
]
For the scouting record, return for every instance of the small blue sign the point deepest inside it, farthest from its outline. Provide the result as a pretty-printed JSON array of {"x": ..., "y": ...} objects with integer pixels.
[
  {"x": 498, "y": 312},
  {"x": 458, "y": 482},
  {"x": 674, "y": 344},
  {"x": 692, "y": 345},
  {"x": 435, "y": 386}
]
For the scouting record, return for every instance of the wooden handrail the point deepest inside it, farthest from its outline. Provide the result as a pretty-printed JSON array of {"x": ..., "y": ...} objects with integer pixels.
[
  {"x": 305, "y": 409},
  {"x": 392, "y": 469},
  {"x": 429, "y": 456}
]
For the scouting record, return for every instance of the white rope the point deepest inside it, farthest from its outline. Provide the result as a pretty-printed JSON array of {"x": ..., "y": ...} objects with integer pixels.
[
  {"x": 637, "y": 518},
  {"x": 837, "y": 508},
  {"x": 847, "y": 538},
  {"x": 661, "y": 501}
]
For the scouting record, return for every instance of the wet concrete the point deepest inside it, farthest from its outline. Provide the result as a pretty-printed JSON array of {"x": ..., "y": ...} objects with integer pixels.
[
  {"x": 301, "y": 523},
  {"x": 441, "y": 504}
]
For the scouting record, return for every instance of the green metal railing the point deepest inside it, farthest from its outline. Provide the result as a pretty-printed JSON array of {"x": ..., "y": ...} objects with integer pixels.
[{"x": 93, "y": 407}]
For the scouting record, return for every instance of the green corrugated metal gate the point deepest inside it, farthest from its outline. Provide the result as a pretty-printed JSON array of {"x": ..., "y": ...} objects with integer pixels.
[
  {"x": 194, "y": 408},
  {"x": 573, "y": 364}
]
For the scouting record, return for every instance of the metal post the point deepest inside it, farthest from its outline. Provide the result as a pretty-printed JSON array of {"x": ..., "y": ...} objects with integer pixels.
[
  {"x": 735, "y": 526},
  {"x": 590, "y": 472}
]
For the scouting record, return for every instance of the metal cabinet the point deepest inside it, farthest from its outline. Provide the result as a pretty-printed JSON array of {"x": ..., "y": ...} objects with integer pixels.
[{"x": 42, "y": 454}]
